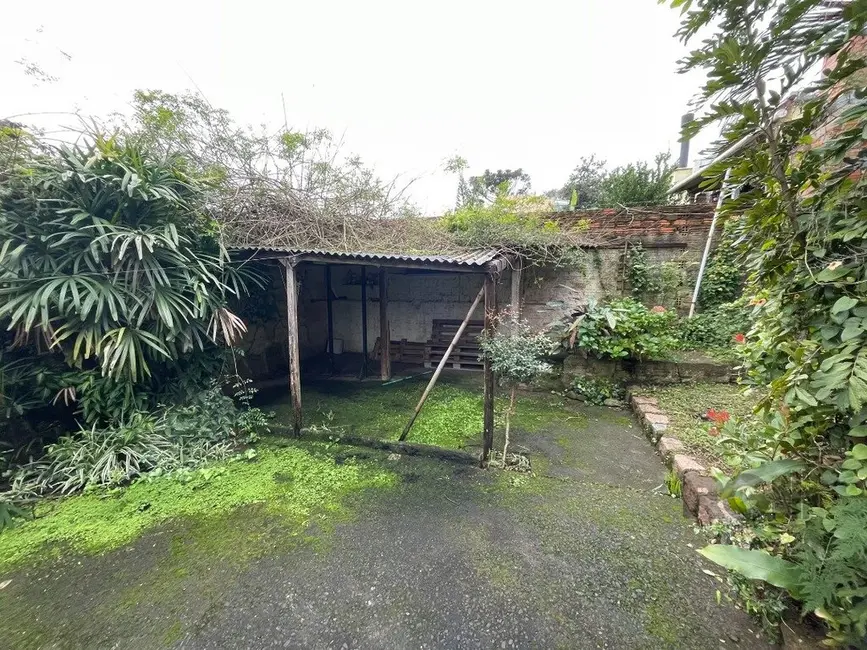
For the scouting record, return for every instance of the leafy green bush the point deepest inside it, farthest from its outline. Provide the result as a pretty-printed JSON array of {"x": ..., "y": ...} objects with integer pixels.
[
  {"x": 624, "y": 329},
  {"x": 517, "y": 356},
  {"x": 596, "y": 390},
  {"x": 800, "y": 234},
  {"x": 207, "y": 428},
  {"x": 716, "y": 327},
  {"x": 110, "y": 262},
  {"x": 517, "y": 223}
]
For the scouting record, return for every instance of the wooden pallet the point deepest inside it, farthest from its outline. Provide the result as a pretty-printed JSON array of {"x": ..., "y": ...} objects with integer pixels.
[
  {"x": 465, "y": 356},
  {"x": 402, "y": 350}
]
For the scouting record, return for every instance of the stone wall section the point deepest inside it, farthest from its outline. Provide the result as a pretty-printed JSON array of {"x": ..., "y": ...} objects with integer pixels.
[{"x": 699, "y": 491}]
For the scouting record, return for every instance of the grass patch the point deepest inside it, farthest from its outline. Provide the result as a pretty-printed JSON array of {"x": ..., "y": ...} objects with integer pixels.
[
  {"x": 685, "y": 403},
  {"x": 290, "y": 482},
  {"x": 452, "y": 416}
]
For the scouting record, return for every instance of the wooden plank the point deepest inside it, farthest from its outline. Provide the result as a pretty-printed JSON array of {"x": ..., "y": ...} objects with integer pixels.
[
  {"x": 328, "y": 298},
  {"x": 490, "y": 313},
  {"x": 442, "y": 363},
  {"x": 384, "y": 332},
  {"x": 364, "y": 321},
  {"x": 294, "y": 356}
]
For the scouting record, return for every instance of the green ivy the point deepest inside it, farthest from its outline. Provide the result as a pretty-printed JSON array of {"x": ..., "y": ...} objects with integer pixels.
[
  {"x": 723, "y": 278},
  {"x": 596, "y": 390},
  {"x": 624, "y": 329}
]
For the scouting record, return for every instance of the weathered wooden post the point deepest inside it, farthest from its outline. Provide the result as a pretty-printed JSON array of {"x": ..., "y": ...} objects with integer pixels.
[
  {"x": 384, "y": 332},
  {"x": 441, "y": 365},
  {"x": 329, "y": 297},
  {"x": 490, "y": 315},
  {"x": 364, "y": 321},
  {"x": 294, "y": 355},
  {"x": 516, "y": 289}
]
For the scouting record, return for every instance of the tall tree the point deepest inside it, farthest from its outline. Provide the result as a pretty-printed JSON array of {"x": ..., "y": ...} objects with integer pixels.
[
  {"x": 803, "y": 233},
  {"x": 487, "y": 186},
  {"x": 637, "y": 183},
  {"x": 270, "y": 186},
  {"x": 592, "y": 185},
  {"x": 585, "y": 183}
]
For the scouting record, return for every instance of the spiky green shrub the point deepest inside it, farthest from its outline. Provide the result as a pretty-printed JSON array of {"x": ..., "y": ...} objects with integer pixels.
[{"x": 109, "y": 261}]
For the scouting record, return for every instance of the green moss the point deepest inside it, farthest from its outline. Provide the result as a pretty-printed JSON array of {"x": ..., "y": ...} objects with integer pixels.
[
  {"x": 173, "y": 634},
  {"x": 686, "y": 402},
  {"x": 99, "y": 521},
  {"x": 661, "y": 623},
  {"x": 452, "y": 416}
]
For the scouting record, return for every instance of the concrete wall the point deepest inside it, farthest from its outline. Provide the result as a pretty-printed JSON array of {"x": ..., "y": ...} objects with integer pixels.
[
  {"x": 552, "y": 294},
  {"x": 415, "y": 299}
]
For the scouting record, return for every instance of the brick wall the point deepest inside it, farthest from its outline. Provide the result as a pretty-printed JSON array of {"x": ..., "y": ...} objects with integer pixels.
[{"x": 678, "y": 226}]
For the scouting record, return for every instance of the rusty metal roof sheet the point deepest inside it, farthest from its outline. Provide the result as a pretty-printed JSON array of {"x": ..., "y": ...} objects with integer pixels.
[{"x": 471, "y": 258}]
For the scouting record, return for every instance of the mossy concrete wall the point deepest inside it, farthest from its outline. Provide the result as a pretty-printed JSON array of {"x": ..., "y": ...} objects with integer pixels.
[{"x": 647, "y": 372}]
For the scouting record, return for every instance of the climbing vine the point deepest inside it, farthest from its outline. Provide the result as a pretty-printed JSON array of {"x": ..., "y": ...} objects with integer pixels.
[{"x": 801, "y": 239}]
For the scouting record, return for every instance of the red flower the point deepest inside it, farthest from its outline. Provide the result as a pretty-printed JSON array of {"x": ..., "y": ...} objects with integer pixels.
[
  {"x": 718, "y": 417},
  {"x": 659, "y": 309},
  {"x": 740, "y": 338}
]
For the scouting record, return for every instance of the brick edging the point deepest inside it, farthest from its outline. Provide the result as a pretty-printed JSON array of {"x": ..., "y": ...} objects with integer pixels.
[{"x": 699, "y": 491}]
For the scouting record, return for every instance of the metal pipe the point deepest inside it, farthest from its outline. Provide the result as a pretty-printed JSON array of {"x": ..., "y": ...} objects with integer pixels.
[
  {"x": 707, "y": 244},
  {"x": 696, "y": 177}
]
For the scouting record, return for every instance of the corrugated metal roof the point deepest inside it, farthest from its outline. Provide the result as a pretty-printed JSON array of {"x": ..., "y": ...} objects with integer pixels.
[{"x": 471, "y": 258}]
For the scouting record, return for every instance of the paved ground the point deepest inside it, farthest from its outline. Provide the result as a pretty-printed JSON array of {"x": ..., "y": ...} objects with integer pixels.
[{"x": 585, "y": 555}]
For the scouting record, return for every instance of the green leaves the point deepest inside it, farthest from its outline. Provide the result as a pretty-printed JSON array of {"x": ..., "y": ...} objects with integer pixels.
[
  {"x": 753, "y": 564},
  {"x": 766, "y": 473},
  {"x": 115, "y": 267},
  {"x": 843, "y": 304},
  {"x": 802, "y": 239}
]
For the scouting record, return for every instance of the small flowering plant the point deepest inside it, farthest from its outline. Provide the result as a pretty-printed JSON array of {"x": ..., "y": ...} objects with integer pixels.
[{"x": 719, "y": 418}]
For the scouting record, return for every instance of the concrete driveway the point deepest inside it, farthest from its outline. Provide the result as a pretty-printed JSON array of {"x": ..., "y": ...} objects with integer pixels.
[{"x": 585, "y": 554}]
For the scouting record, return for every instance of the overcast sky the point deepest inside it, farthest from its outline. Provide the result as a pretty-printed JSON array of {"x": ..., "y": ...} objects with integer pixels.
[{"x": 534, "y": 85}]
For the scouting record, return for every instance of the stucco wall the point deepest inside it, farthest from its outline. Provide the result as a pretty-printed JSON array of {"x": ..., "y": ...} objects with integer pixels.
[{"x": 552, "y": 294}]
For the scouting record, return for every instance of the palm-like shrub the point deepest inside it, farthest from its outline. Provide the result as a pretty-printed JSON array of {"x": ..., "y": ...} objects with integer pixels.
[
  {"x": 107, "y": 256},
  {"x": 174, "y": 437}
]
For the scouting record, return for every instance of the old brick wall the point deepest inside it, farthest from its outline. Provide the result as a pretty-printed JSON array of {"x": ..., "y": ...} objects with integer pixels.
[
  {"x": 672, "y": 235},
  {"x": 675, "y": 226}
]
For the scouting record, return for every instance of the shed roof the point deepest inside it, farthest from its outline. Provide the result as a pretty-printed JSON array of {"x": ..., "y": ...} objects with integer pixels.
[{"x": 467, "y": 260}]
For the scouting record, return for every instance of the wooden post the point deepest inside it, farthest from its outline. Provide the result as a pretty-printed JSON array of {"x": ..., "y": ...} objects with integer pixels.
[
  {"x": 294, "y": 356},
  {"x": 364, "y": 321},
  {"x": 490, "y": 312},
  {"x": 330, "y": 309},
  {"x": 442, "y": 364},
  {"x": 384, "y": 331},
  {"x": 516, "y": 290}
]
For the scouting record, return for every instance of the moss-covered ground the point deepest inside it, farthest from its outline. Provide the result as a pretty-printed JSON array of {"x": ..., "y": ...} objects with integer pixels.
[
  {"x": 289, "y": 481},
  {"x": 451, "y": 417},
  {"x": 324, "y": 545},
  {"x": 686, "y": 403}
]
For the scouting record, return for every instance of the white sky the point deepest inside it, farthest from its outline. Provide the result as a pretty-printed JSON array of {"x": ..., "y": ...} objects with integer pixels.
[{"x": 534, "y": 85}]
